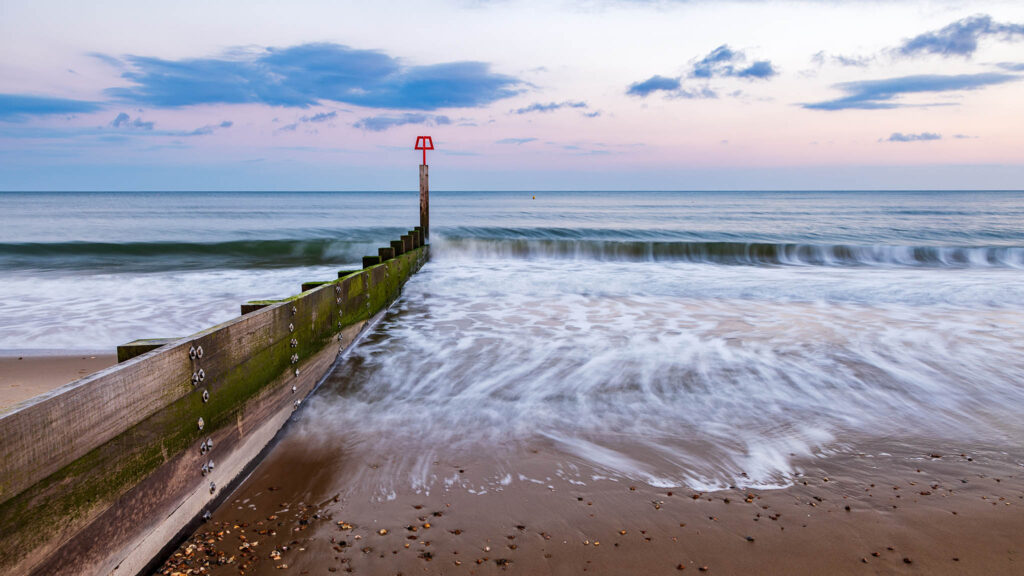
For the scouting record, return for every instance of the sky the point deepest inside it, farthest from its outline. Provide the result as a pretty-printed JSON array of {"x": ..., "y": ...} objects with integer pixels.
[{"x": 517, "y": 95}]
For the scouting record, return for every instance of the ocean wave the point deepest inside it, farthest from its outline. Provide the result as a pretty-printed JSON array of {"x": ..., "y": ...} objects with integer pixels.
[
  {"x": 737, "y": 253},
  {"x": 159, "y": 256},
  {"x": 348, "y": 246}
]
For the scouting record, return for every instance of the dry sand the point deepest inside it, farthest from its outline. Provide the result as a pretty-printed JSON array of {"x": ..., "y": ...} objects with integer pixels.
[
  {"x": 26, "y": 376},
  {"x": 913, "y": 513}
]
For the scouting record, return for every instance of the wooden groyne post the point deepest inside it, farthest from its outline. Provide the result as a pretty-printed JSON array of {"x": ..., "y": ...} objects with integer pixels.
[{"x": 424, "y": 143}]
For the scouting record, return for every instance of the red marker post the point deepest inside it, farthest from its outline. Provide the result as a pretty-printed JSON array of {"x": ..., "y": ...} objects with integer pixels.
[{"x": 424, "y": 143}]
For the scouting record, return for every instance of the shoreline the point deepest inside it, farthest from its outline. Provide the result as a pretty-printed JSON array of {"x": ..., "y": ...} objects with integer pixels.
[
  {"x": 25, "y": 374},
  {"x": 910, "y": 513}
]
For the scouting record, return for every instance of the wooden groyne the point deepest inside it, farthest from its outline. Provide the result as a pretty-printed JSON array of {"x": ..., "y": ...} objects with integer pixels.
[{"x": 98, "y": 476}]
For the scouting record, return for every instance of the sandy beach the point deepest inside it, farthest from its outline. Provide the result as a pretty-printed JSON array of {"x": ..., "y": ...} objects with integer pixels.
[
  {"x": 914, "y": 513},
  {"x": 25, "y": 376}
]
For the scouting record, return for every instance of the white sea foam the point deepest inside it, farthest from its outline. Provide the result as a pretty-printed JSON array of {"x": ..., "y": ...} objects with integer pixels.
[
  {"x": 97, "y": 312},
  {"x": 674, "y": 373}
]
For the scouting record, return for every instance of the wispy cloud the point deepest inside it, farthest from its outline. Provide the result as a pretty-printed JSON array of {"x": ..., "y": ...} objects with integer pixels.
[
  {"x": 516, "y": 141},
  {"x": 123, "y": 120},
  {"x": 210, "y": 129},
  {"x": 549, "y": 107},
  {"x": 922, "y": 137},
  {"x": 303, "y": 75},
  {"x": 882, "y": 94},
  {"x": 722, "y": 62},
  {"x": 321, "y": 117},
  {"x": 1012, "y": 66},
  {"x": 961, "y": 37},
  {"x": 703, "y": 92},
  {"x": 725, "y": 62},
  {"x": 653, "y": 84},
  {"x": 381, "y": 123},
  {"x": 821, "y": 58},
  {"x": 18, "y": 107}
]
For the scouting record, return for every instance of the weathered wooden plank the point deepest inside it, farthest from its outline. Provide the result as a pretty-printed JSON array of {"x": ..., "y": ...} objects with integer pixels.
[{"x": 48, "y": 431}]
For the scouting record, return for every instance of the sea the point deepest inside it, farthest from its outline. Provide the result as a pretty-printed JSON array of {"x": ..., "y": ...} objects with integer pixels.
[{"x": 701, "y": 339}]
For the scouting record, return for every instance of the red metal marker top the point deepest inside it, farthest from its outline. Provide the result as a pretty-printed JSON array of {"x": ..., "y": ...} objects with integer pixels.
[{"x": 424, "y": 143}]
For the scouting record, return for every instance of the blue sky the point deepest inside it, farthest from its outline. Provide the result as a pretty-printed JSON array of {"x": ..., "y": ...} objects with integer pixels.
[{"x": 516, "y": 94}]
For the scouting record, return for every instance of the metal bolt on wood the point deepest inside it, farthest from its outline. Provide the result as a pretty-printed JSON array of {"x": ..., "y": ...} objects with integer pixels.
[
  {"x": 192, "y": 352},
  {"x": 200, "y": 423},
  {"x": 206, "y": 396},
  {"x": 199, "y": 352},
  {"x": 291, "y": 327},
  {"x": 294, "y": 310},
  {"x": 201, "y": 373},
  {"x": 213, "y": 487},
  {"x": 195, "y": 378},
  {"x": 294, "y": 343}
]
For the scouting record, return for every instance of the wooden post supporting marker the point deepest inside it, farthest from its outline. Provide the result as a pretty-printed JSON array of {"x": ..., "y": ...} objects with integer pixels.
[{"x": 424, "y": 143}]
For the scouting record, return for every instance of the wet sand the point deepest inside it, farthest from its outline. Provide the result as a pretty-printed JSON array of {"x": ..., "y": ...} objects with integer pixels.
[
  {"x": 25, "y": 376},
  {"x": 314, "y": 510}
]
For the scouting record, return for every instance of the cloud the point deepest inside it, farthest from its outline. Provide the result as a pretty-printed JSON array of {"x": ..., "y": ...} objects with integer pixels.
[
  {"x": 960, "y": 38},
  {"x": 821, "y": 57},
  {"x": 922, "y": 137},
  {"x": 722, "y": 62},
  {"x": 304, "y": 75},
  {"x": 321, "y": 117},
  {"x": 653, "y": 84},
  {"x": 726, "y": 62},
  {"x": 761, "y": 69},
  {"x": 881, "y": 94},
  {"x": 516, "y": 141},
  {"x": 593, "y": 114},
  {"x": 717, "y": 63},
  {"x": 123, "y": 120},
  {"x": 209, "y": 129},
  {"x": 17, "y": 107},
  {"x": 549, "y": 107},
  {"x": 704, "y": 92},
  {"x": 381, "y": 123},
  {"x": 1012, "y": 66}
]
